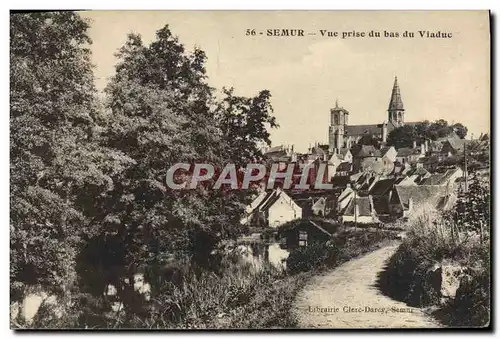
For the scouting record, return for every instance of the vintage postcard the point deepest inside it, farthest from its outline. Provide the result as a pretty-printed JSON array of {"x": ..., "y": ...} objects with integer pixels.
[{"x": 250, "y": 170}]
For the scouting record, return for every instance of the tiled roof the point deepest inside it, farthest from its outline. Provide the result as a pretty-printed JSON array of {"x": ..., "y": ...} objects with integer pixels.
[
  {"x": 434, "y": 179},
  {"x": 340, "y": 181},
  {"x": 368, "y": 151},
  {"x": 344, "y": 167},
  {"x": 421, "y": 194},
  {"x": 364, "y": 206},
  {"x": 384, "y": 150},
  {"x": 318, "y": 150},
  {"x": 268, "y": 201},
  {"x": 381, "y": 205},
  {"x": 382, "y": 186},
  {"x": 406, "y": 151},
  {"x": 275, "y": 149},
  {"x": 458, "y": 144}
]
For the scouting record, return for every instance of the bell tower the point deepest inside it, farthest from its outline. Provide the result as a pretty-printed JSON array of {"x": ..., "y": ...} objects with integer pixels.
[
  {"x": 396, "y": 109},
  {"x": 336, "y": 132}
]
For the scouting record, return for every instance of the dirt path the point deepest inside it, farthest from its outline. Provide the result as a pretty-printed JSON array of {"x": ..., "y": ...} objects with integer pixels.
[{"x": 347, "y": 297}]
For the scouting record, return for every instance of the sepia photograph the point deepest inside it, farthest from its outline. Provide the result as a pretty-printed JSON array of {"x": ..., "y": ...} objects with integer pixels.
[{"x": 257, "y": 170}]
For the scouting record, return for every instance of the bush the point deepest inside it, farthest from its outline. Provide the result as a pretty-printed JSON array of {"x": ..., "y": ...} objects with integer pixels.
[
  {"x": 307, "y": 258},
  {"x": 412, "y": 273},
  {"x": 342, "y": 247}
]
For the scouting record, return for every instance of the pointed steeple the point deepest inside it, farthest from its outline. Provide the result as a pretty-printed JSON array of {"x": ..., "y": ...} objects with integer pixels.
[{"x": 396, "y": 103}]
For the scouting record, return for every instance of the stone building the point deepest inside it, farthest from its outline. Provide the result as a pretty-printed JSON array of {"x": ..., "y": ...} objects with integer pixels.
[{"x": 342, "y": 135}]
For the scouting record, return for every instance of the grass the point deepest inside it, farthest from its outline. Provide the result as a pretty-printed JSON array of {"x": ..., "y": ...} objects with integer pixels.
[
  {"x": 240, "y": 296},
  {"x": 411, "y": 274}
]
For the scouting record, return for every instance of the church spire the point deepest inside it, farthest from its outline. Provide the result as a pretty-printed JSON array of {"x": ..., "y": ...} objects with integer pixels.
[
  {"x": 396, "y": 109},
  {"x": 396, "y": 103}
]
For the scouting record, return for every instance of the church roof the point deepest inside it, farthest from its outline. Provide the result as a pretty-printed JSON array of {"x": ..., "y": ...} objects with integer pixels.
[
  {"x": 396, "y": 102},
  {"x": 363, "y": 129}
]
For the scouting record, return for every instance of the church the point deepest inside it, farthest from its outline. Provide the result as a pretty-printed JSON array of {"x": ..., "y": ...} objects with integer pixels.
[{"x": 342, "y": 135}]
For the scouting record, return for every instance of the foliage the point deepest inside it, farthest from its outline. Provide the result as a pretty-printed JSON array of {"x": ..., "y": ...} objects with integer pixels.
[
  {"x": 471, "y": 305},
  {"x": 89, "y": 204},
  {"x": 162, "y": 113},
  {"x": 303, "y": 259},
  {"x": 370, "y": 140},
  {"x": 59, "y": 172},
  {"x": 472, "y": 209},
  {"x": 413, "y": 274},
  {"x": 341, "y": 248},
  {"x": 404, "y": 136}
]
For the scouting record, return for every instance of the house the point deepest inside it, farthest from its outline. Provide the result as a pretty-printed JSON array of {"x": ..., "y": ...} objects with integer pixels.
[
  {"x": 359, "y": 211},
  {"x": 277, "y": 152},
  {"x": 381, "y": 193},
  {"x": 312, "y": 203},
  {"x": 407, "y": 155},
  {"x": 363, "y": 153},
  {"x": 340, "y": 163},
  {"x": 446, "y": 178},
  {"x": 273, "y": 210},
  {"x": 320, "y": 207},
  {"x": 411, "y": 198},
  {"x": 414, "y": 176},
  {"x": 388, "y": 153},
  {"x": 345, "y": 154},
  {"x": 344, "y": 169},
  {"x": 304, "y": 232},
  {"x": 453, "y": 146},
  {"x": 344, "y": 199}
]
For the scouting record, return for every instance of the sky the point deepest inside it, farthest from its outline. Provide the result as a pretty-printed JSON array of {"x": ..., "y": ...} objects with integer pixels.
[{"x": 439, "y": 78}]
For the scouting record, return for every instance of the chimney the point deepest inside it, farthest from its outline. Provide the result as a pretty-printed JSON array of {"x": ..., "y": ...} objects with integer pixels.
[
  {"x": 414, "y": 144},
  {"x": 426, "y": 145},
  {"x": 422, "y": 149}
]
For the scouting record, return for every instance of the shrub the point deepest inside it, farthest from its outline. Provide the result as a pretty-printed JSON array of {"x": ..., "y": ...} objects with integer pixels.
[
  {"x": 412, "y": 275},
  {"x": 342, "y": 247},
  {"x": 307, "y": 258}
]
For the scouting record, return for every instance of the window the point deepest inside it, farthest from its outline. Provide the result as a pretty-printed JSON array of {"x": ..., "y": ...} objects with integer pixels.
[{"x": 302, "y": 238}]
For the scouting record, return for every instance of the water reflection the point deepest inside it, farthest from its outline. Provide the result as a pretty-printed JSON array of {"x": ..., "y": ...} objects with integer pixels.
[{"x": 258, "y": 253}]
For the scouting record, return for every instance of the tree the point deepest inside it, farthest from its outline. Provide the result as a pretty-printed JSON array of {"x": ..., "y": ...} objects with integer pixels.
[
  {"x": 58, "y": 170},
  {"x": 472, "y": 209},
  {"x": 244, "y": 123},
  {"x": 370, "y": 140},
  {"x": 402, "y": 136},
  {"x": 460, "y": 130},
  {"x": 163, "y": 112},
  {"x": 405, "y": 135}
]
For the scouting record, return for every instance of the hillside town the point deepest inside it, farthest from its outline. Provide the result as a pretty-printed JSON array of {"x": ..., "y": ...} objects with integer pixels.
[
  {"x": 152, "y": 193},
  {"x": 373, "y": 185}
]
